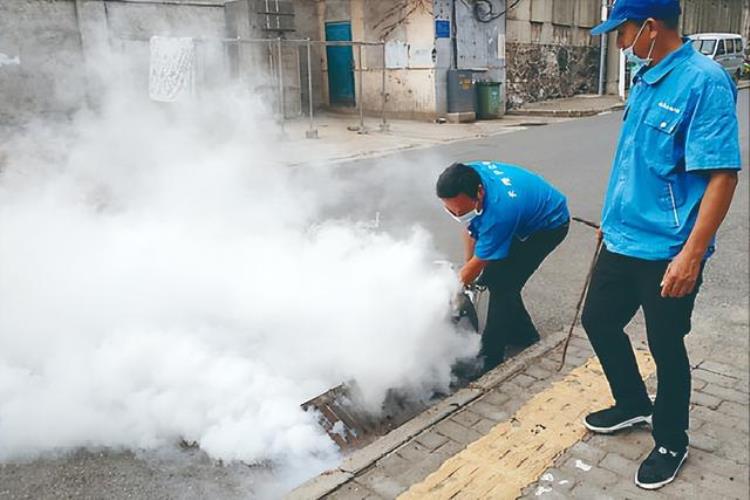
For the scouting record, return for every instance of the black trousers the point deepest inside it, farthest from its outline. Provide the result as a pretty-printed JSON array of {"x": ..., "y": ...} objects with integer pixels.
[
  {"x": 508, "y": 322},
  {"x": 619, "y": 286}
]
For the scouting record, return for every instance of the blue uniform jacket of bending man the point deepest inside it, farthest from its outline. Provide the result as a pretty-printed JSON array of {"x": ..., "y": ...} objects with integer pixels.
[
  {"x": 517, "y": 203},
  {"x": 514, "y": 219}
]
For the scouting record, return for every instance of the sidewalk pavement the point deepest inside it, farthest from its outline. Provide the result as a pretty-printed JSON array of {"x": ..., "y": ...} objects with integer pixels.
[
  {"x": 339, "y": 138},
  {"x": 571, "y": 107},
  {"x": 516, "y": 433}
]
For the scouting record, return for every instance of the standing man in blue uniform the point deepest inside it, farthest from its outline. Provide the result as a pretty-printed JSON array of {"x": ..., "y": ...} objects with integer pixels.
[
  {"x": 513, "y": 219},
  {"x": 672, "y": 181}
]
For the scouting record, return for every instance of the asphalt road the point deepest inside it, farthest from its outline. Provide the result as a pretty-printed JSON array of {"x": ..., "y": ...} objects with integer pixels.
[{"x": 575, "y": 156}]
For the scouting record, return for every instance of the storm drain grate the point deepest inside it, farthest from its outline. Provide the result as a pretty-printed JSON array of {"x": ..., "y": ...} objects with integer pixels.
[{"x": 350, "y": 426}]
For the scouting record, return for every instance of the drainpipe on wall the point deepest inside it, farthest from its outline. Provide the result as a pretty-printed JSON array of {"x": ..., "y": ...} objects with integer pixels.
[
  {"x": 91, "y": 18},
  {"x": 603, "y": 51},
  {"x": 454, "y": 36}
]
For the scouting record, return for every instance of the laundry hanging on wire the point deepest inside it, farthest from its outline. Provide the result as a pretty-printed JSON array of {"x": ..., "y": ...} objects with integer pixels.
[{"x": 172, "y": 68}]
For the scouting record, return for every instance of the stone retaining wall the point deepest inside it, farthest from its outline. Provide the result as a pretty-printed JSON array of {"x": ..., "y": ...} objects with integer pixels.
[{"x": 537, "y": 72}]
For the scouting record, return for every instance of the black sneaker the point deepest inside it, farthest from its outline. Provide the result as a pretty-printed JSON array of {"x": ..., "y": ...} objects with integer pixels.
[
  {"x": 615, "y": 418},
  {"x": 660, "y": 467}
]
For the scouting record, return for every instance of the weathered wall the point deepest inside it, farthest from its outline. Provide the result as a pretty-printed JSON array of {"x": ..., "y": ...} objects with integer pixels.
[
  {"x": 410, "y": 89},
  {"x": 44, "y": 68},
  {"x": 479, "y": 46},
  {"x": 337, "y": 10},
  {"x": 701, "y": 16},
  {"x": 65, "y": 48},
  {"x": 410, "y": 86},
  {"x": 549, "y": 50},
  {"x": 131, "y": 25},
  {"x": 443, "y": 56},
  {"x": 478, "y": 43},
  {"x": 404, "y": 100},
  {"x": 256, "y": 64},
  {"x": 307, "y": 26},
  {"x": 416, "y": 86}
]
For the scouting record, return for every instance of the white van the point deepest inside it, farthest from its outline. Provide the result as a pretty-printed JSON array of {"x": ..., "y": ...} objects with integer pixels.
[{"x": 726, "y": 49}]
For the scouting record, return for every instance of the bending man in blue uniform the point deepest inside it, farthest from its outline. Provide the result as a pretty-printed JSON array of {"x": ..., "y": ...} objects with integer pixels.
[
  {"x": 513, "y": 219},
  {"x": 672, "y": 181}
]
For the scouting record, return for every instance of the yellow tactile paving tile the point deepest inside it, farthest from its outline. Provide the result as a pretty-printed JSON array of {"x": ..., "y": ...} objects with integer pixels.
[{"x": 516, "y": 452}]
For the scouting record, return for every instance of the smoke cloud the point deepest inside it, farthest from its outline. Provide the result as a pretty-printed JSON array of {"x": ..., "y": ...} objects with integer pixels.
[{"x": 164, "y": 277}]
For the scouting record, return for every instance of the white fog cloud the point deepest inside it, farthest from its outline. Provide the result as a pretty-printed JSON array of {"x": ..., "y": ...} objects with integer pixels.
[{"x": 162, "y": 277}]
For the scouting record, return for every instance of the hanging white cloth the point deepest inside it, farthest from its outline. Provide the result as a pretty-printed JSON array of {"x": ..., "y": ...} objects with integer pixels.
[{"x": 171, "y": 69}]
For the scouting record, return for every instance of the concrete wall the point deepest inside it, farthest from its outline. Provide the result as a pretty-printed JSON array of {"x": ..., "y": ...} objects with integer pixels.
[
  {"x": 49, "y": 48},
  {"x": 256, "y": 64},
  {"x": 542, "y": 50},
  {"x": 132, "y": 24},
  {"x": 49, "y": 76},
  {"x": 66, "y": 48},
  {"x": 549, "y": 50},
  {"x": 307, "y": 26},
  {"x": 700, "y": 16},
  {"x": 411, "y": 88},
  {"x": 416, "y": 87},
  {"x": 479, "y": 46}
]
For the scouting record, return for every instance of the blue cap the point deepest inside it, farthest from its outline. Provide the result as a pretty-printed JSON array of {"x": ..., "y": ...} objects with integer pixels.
[{"x": 637, "y": 10}]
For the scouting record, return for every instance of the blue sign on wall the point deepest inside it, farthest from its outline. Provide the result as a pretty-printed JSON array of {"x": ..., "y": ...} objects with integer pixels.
[{"x": 442, "y": 28}]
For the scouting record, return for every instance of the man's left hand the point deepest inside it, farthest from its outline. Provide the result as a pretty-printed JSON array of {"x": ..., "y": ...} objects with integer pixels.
[{"x": 681, "y": 275}]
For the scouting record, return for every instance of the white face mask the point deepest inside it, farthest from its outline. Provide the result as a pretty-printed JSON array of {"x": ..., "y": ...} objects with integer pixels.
[
  {"x": 465, "y": 218},
  {"x": 630, "y": 55}
]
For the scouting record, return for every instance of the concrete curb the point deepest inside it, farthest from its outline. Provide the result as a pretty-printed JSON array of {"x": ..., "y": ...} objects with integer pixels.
[
  {"x": 582, "y": 113},
  {"x": 360, "y": 460},
  {"x": 369, "y": 155},
  {"x": 564, "y": 113}
]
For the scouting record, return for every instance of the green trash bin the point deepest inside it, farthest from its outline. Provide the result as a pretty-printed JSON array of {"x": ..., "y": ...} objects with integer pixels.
[{"x": 488, "y": 100}]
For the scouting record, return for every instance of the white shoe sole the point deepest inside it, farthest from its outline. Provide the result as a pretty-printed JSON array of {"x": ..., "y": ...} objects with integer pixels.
[
  {"x": 622, "y": 425},
  {"x": 656, "y": 486}
]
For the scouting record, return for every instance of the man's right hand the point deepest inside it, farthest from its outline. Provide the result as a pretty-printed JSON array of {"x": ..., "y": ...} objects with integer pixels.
[
  {"x": 471, "y": 270},
  {"x": 599, "y": 235}
]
